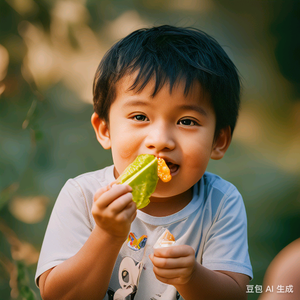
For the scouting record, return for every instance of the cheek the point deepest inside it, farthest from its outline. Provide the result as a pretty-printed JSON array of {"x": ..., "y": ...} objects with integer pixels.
[
  {"x": 122, "y": 144},
  {"x": 197, "y": 158},
  {"x": 124, "y": 148}
]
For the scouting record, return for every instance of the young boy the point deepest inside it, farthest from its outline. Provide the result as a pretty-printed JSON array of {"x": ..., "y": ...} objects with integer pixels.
[{"x": 174, "y": 93}]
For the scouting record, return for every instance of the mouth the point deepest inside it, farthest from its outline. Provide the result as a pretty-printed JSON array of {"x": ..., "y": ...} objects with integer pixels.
[{"x": 172, "y": 166}]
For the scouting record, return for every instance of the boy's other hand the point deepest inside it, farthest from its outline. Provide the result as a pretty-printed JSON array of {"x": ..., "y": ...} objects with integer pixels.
[
  {"x": 174, "y": 265},
  {"x": 114, "y": 210}
]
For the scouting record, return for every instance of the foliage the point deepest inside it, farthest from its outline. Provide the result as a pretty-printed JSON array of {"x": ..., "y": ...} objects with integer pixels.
[{"x": 23, "y": 283}]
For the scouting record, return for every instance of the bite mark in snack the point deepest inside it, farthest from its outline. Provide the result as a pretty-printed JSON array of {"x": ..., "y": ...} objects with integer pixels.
[{"x": 165, "y": 240}]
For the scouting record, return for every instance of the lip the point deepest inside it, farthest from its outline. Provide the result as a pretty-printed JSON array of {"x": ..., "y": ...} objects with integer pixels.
[{"x": 167, "y": 160}]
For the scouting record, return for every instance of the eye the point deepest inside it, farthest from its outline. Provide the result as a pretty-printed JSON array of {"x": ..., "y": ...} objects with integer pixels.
[
  {"x": 140, "y": 118},
  {"x": 188, "y": 122}
]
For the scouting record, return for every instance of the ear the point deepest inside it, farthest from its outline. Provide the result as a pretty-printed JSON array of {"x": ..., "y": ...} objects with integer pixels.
[
  {"x": 221, "y": 143},
  {"x": 101, "y": 130}
]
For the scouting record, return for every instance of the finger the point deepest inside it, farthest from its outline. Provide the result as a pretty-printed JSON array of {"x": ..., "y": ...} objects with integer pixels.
[
  {"x": 120, "y": 203},
  {"x": 172, "y": 281},
  {"x": 174, "y": 251},
  {"x": 132, "y": 211},
  {"x": 103, "y": 190},
  {"x": 133, "y": 216},
  {"x": 173, "y": 263},
  {"x": 112, "y": 183},
  {"x": 170, "y": 273},
  {"x": 128, "y": 213},
  {"x": 111, "y": 194},
  {"x": 100, "y": 192}
]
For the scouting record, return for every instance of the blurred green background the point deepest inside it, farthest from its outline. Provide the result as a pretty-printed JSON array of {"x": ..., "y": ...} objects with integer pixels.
[{"x": 49, "y": 51}]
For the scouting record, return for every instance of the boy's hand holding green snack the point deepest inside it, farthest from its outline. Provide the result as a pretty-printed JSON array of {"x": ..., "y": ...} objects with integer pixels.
[{"x": 114, "y": 210}]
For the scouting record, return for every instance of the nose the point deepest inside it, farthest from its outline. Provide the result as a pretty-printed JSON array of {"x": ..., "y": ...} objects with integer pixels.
[{"x": 160, "y": 138}]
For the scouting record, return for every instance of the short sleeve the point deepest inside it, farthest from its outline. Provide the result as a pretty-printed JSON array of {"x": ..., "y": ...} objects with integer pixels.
[
  {"x": 226, "y": 245},
  {"x": 68, "y": 229}
]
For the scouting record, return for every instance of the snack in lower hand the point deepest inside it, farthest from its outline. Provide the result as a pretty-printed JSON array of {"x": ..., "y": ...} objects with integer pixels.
[
  {"x": 165, "y": 240},
  {"x": 142, "y": 175}
]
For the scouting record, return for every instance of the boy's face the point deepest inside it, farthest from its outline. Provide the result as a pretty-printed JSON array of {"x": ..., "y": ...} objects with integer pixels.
[{"x": 173, "y": 126}]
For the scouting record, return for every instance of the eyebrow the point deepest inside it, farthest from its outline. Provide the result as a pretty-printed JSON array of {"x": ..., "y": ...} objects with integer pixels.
[
  {"x": 196, "y": 108},
  {"x": 136, "y": 103}
]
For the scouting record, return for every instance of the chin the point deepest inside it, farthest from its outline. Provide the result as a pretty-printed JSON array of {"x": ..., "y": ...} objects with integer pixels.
[{"x": 166, "y": 190}]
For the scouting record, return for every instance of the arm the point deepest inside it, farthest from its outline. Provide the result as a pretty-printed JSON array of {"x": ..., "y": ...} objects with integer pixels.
[
  {"x": 177, "y": 266},
  {"x": 86, "y": 275},
  {"x": 284, "y": 271}
]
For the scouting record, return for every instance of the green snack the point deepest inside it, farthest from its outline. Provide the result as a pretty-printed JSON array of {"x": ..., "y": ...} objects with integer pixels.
[{"x": 142, "y": 176}]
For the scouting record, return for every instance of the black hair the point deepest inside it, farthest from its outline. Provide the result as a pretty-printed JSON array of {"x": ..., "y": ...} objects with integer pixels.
[{"x": 170, "y": 54}]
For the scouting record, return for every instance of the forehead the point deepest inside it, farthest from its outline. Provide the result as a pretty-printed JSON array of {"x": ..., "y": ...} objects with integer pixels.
[{"x": 127, "y": 86}]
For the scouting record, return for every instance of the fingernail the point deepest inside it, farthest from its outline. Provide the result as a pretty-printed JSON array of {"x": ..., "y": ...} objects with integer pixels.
[
  {"x": 113, "y": 185},
  {"x": 129, "y": 188}
]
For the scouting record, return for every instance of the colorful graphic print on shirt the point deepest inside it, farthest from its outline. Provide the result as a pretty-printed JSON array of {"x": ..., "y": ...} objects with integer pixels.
[{"x": 135, "y": 243}]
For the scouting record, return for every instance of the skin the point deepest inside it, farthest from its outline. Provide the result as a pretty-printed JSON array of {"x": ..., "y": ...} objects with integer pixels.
[
  {"x": 177, "y": 128},
  {"x": 284, "y": 271}
]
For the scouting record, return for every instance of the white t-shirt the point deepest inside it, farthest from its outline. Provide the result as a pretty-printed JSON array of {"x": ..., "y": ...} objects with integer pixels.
[{"x": 214, "y": 223}]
